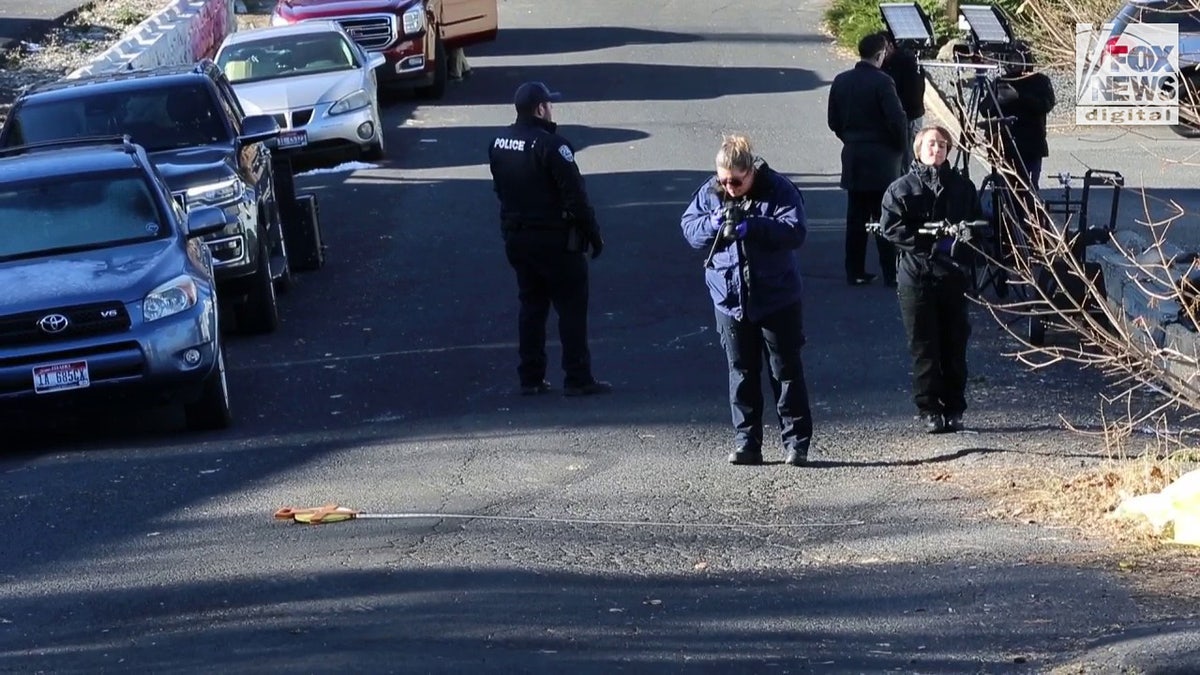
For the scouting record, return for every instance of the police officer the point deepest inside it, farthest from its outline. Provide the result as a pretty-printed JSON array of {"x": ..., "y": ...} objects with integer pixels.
[{"x": 548, "y": 227}]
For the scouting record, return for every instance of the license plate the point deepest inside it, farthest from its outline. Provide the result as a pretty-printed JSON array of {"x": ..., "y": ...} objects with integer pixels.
[
  {"x": 293, "y": 139},
  {"x": 60, "y": 377}
]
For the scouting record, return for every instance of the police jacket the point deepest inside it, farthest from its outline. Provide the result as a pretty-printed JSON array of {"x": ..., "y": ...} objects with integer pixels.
[
  {"x": 866, "y": 115},
  {"x": 906, "y": 72},
  {"x": 775, "y": 228},
  {"x": 536, "y": 178},
  {"x": 925, "y": 194}
]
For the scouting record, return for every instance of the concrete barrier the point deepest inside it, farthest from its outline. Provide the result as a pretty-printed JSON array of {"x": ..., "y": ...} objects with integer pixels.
[{"x": 183, "y": 32}]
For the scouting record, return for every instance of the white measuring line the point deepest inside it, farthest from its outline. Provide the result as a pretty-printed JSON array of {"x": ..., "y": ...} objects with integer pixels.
[{"x": 596, "y": 521}]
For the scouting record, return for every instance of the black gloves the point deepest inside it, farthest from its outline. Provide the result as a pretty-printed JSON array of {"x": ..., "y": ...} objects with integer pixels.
[{"x": 732, "y": 214}]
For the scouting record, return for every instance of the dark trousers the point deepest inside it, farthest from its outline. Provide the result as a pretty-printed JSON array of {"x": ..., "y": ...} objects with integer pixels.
[
  {"x": 935, "y": 318},
  {"x": 779, "y": 337},
  {"x": 548, "y": 275},
  {"x": 862, "y": 207}
]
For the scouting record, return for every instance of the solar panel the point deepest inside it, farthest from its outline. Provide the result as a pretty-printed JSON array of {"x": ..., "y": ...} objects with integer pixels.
[
  {"x": 985, "y": 23},
  {"x": 905, "y": 20}
]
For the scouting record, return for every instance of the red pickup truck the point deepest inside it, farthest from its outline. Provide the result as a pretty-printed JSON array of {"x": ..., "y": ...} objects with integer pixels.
[{"x": 415, "y": 36}]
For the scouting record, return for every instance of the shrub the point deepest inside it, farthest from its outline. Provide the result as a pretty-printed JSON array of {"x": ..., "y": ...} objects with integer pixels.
[{"x": 849, "y": 20}]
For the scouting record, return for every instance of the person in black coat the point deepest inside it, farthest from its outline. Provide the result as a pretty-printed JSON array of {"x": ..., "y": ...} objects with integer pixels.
[
  {"x": 865, "y": 113},
  {"x": 1027, "y": 96},
  {"x": 548, "y": 225},
  {"x": 932, "y": 284},
  {"x": 905, "y": 70}
]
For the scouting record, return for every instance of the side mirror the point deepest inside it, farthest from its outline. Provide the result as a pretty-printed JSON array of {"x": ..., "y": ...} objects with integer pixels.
[
  {"x": 375, "y": 59},
  {"x": 258, "y": 128},
  {"x": 202, "y": 220}
]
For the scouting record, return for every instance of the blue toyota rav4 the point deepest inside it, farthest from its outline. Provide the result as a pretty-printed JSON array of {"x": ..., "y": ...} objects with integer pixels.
[{"x": 108, "y": 292}]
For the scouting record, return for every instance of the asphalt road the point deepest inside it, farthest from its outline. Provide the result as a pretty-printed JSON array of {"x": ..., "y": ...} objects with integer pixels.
[
  {"x": 390, "y": 387},
  {"x": 20, "y": 19}
]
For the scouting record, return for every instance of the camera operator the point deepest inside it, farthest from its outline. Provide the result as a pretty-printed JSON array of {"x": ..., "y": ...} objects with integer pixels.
[
  {"x": 932, "y": 286},
  {"x": 751, "y": 219},
  {"x": 1027, "y": 96},
  {"x": 548, "y": 225},
  {"x": 866, "y": 115},
  {"x": 905, "y": 70}
]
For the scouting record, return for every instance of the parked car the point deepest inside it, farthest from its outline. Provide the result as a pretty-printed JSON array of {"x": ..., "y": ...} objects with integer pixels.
[
  {"x": 1185, "y": 15},
  {"x": 314, "y": 80},
  {"x": 108, "y": 293},
  {"x": 414, "y": 35},
  {"x": 211, "y": 153}
]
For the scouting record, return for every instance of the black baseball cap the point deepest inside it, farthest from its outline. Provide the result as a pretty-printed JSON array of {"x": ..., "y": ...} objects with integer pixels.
[{"x": 532, "y": 94}]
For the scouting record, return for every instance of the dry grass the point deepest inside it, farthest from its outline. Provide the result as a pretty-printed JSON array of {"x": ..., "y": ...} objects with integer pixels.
[{"x": 1085, "y": 499}]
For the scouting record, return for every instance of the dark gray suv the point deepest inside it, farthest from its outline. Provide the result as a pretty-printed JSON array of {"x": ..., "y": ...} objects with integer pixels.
[
  {"x": 211, "y": 153},
  {"x": 108, "y": 291}
]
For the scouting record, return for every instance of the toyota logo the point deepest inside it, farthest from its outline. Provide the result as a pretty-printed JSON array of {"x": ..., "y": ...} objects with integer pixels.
[{"x": 53, "y": 323}]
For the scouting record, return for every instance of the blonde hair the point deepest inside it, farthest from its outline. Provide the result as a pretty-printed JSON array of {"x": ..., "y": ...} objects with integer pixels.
[
  {"x": 735, "y": 153},
  {"x": 931, "y": 128}
]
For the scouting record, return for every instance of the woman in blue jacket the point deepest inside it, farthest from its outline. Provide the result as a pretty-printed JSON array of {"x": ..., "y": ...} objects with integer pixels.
[{"x": 751, "y": 221}]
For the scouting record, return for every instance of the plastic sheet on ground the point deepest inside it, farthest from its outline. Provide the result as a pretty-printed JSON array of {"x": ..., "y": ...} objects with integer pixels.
[{"x": 1177, "y": 505}]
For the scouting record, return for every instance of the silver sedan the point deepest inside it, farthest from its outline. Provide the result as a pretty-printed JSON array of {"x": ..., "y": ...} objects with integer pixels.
[{"x": 315, "y": 80}]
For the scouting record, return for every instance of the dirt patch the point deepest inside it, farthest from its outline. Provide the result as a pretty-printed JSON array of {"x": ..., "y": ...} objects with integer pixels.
[{"x": 1164, "y": 578}]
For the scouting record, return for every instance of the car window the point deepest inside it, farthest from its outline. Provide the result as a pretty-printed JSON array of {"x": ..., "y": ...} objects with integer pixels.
[
  {"x": 287, "y": 56},
  {"x": 1180, "y": 12},
  {"x": 231, "y": 105},
  {"x": 162, "y": 118},
  {"x": 61, "y": 214}
]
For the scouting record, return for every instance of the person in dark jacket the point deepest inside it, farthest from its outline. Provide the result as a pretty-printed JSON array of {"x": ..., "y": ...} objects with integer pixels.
[
  {"x": 1028, "y": 96},
  {"x": 905, "y": 70},
  {"x": 932, "y": 285},
  {"x": 548, "y": 225},
  {"x": 751, "y": 221},
  {"x": 865, "y": 113}
]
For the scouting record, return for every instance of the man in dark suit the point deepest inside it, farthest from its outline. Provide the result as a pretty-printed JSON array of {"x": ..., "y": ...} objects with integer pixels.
[
  {"x": 866, "y": 114},
  {"x": 909, "y": 77}
]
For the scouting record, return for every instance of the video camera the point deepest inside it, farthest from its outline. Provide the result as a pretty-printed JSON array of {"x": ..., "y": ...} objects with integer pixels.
[{"x": 733, "y": 211}]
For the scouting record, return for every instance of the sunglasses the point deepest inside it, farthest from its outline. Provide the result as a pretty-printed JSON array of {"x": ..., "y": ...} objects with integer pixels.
[{"x": 734, "y": 183}]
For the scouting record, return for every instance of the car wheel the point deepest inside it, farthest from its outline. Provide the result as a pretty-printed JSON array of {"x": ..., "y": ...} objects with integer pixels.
[
  {"x": 259, "y": 313},
  {"x": 441, "y": 73},
  {"x": 212, "y": 410}
]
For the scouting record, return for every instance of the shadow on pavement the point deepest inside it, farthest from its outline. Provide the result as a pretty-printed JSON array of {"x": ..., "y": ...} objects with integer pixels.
[
  {"x": 535, "y": 41},
  {"x": 504, "y": 618},
  {"x": 623, "y": 82}
]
